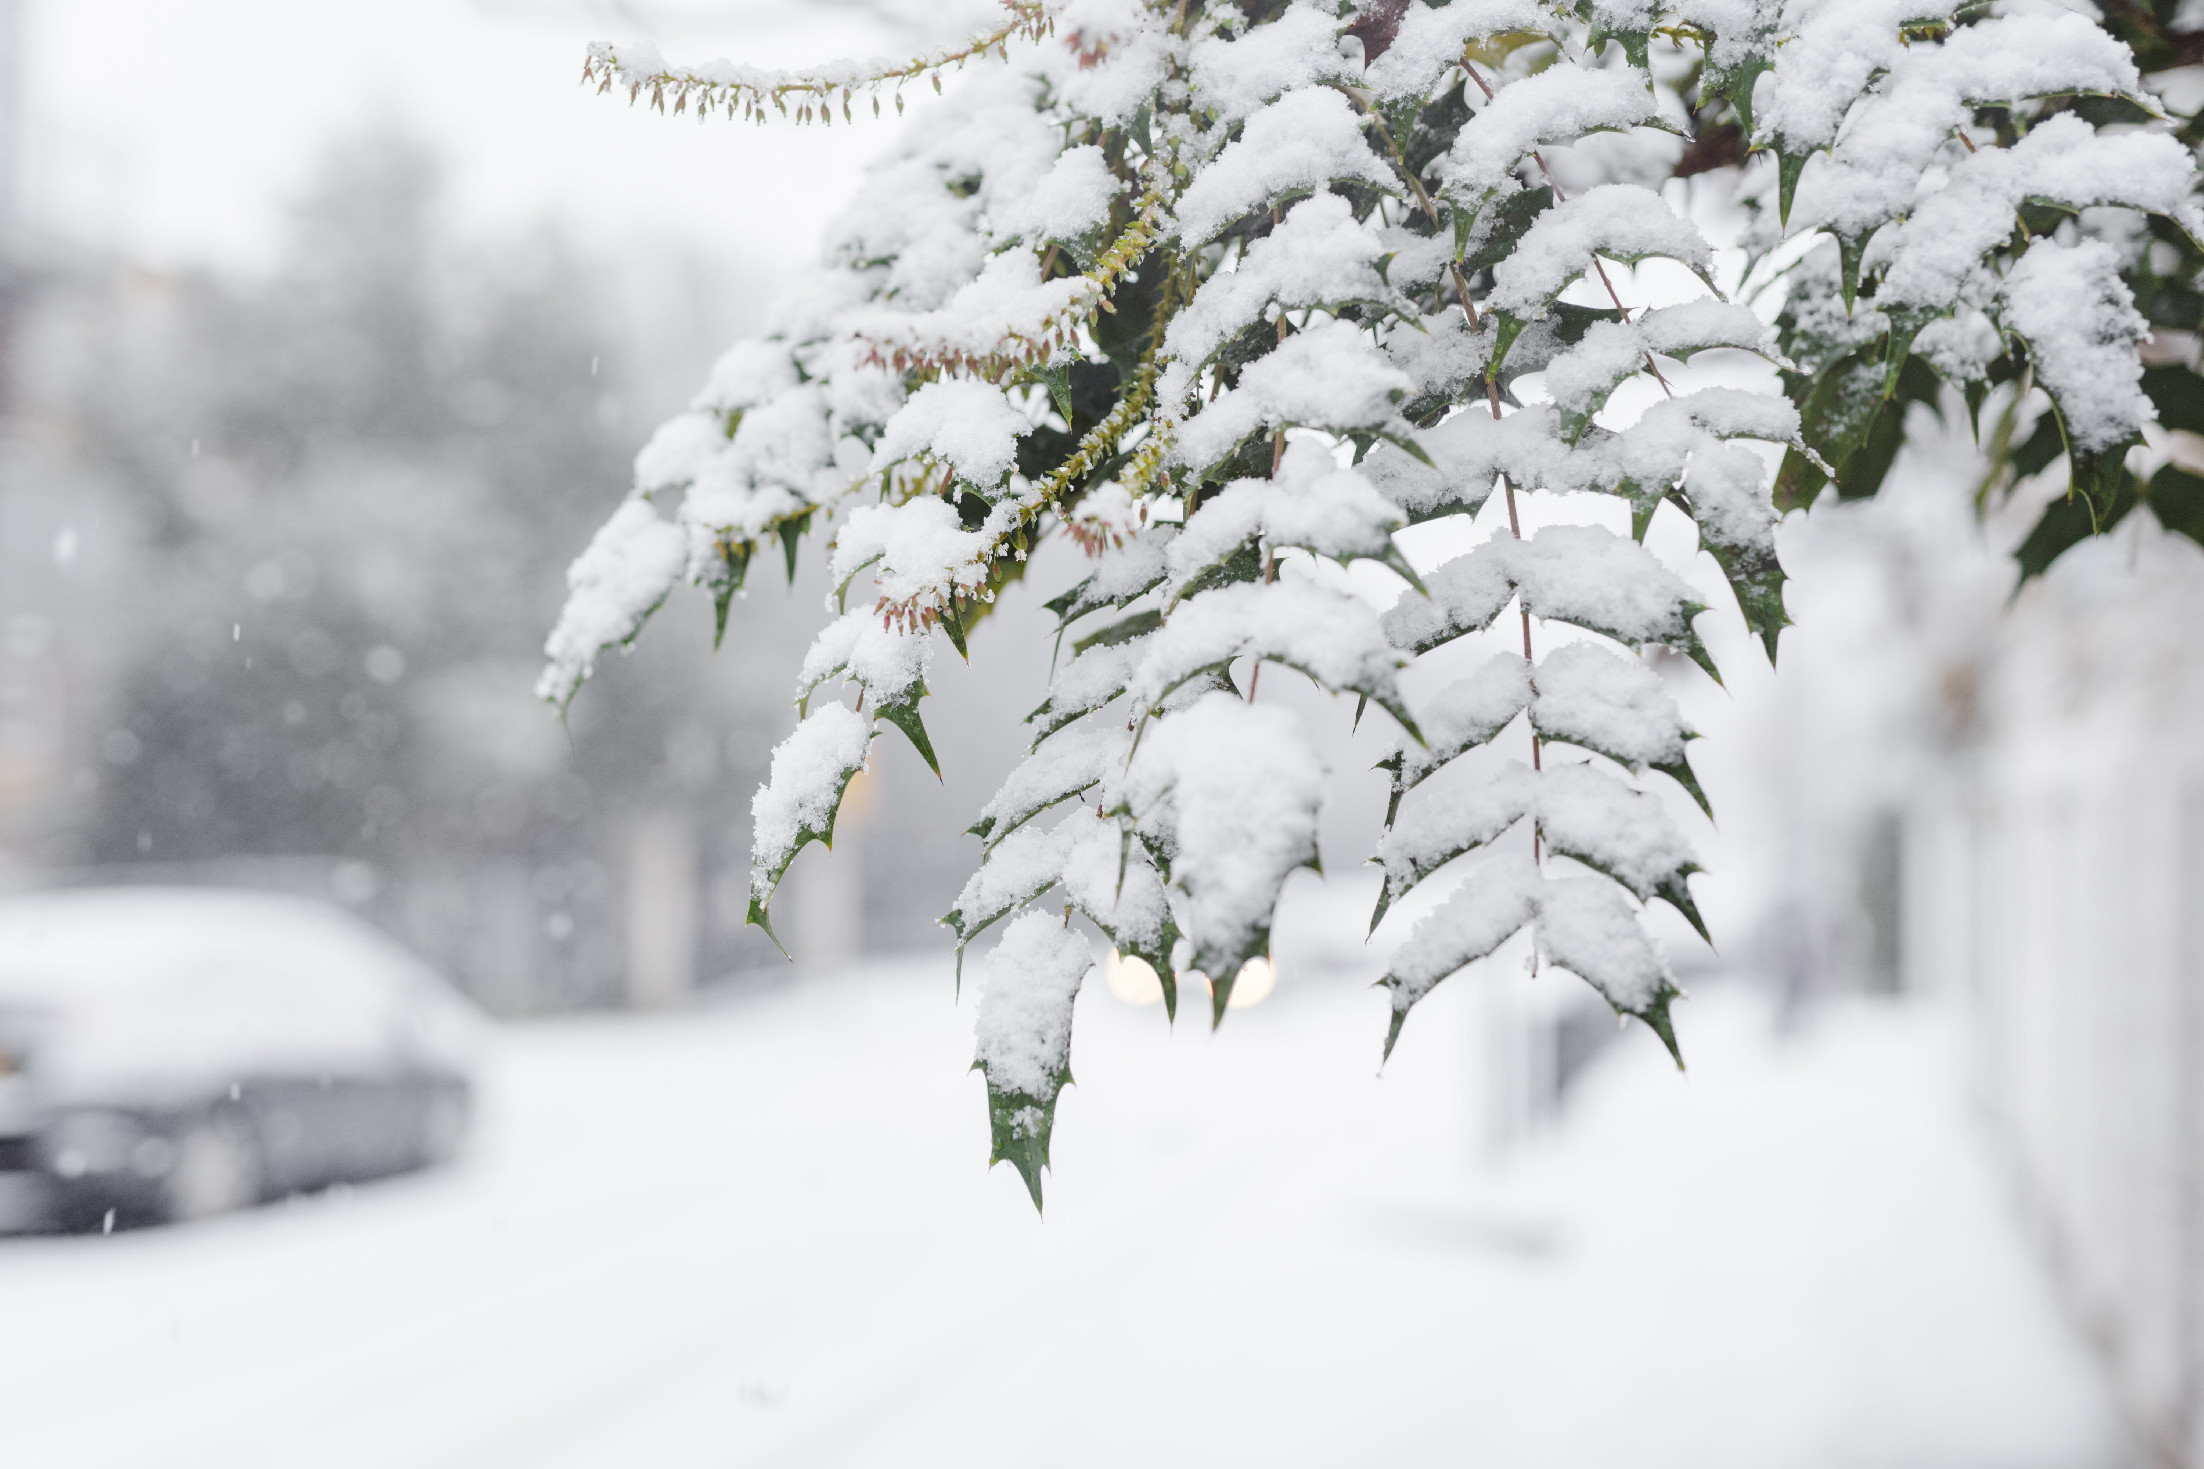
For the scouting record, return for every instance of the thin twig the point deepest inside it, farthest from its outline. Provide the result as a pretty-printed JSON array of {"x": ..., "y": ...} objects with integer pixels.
[{"x": 748, "y": 92}]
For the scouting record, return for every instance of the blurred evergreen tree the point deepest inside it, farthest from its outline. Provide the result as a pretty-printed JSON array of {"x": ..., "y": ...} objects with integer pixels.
[{"x": 358, "y": 484}]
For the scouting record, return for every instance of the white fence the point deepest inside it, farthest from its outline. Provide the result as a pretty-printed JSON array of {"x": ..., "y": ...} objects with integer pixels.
[{"x": 2056, "y": 870}]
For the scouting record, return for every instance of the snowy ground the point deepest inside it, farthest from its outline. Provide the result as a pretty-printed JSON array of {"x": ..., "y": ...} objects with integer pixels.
[{"x": 762, "y": 1235}]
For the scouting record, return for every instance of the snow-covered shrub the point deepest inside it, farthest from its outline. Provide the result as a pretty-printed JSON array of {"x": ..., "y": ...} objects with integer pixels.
[
  {"x": 2162, "y": 267},
  {"x": 1232, "y": 294},
  {"x": 1992, "y": 188}
]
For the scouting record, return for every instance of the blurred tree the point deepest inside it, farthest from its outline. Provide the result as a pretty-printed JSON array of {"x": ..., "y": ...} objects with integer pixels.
[{"x": 358, "y": 484}]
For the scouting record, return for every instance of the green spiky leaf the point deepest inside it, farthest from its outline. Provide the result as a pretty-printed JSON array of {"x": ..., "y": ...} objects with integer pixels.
[
  {"x": 1679, "y": 771},
  {"x": 766, "y": 878},
  {"x": 792, "y": 534},
  {"x": 1789, "y": 166},
  {"x": 1019, "y": 1126},
  {"x": 1756, "y": 577},
  {"x": 2177, "y": 499},
  {"x": 903, "y": 714}
]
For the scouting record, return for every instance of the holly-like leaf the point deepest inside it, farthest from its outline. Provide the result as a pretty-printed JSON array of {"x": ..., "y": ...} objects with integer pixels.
[
  {"x": 1839, "y": 407},
  {"x": 1028, "y": 985},
  {"x": 1443, "y": 823},
  {"x": 1490, "y": 907},
  {"x": 1466, "y": 715},
  {"x": 792, "y": 534},
  {"x": 1051, "y": 774},
  {"x": 1497, "y": 229},
  {"x": 903, "y": 714},
  {"x": 1139, "y": 625},
  {"x": 1654, "y": 1013},
  {"x": 1231, "y": 790},
  {"x": 1126, "y": 574},
  {"x": 952, "y": 623},
  {"x": 1851, "y": 250},
  {"x": 1587, "y": 927},
  {"x": 1616, "y": 707},
  {"x": 803, "y": 793},
  {"x": 1327, "y": 635},
  {"x": 1622, "y": 833},
  {"x": 1679, "y": 770},
  {"x": 1854, "y": 418},
  {"x": 2177, "y": 499},
  {"x": 1756, "y": 577},
  {"x": 1634, "y": 43},
  {"x": 1019, "y": 1125},
  {"x": 2178, "y": 395},
  {"x": 723, "y": 579},
  {"x": 1016, "y": 871},
  {"x": 1091, "y": 681},
  {"x": 2072, "y": 519},
  {"x": 1736, "y": 85},
  {"x": 1789, "y": 165},
  {"x": 2101, "y": 481}
]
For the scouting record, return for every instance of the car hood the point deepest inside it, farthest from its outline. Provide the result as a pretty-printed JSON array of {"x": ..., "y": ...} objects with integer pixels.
[{"x": 154, "y": 992}]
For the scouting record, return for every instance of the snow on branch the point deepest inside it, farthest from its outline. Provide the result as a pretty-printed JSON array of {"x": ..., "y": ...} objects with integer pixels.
[
  {"x": 1231, "y": 298},
  {"x": 749, "y": 92}
]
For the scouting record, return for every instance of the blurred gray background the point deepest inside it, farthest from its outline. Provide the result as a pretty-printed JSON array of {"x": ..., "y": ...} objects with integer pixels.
[{"x": 304, "y": 419}]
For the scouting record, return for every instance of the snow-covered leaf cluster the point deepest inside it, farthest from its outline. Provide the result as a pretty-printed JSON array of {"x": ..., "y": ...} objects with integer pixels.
[
  {"x": 1982, "y": 180},
  {"x": 1232, "y": 295}
]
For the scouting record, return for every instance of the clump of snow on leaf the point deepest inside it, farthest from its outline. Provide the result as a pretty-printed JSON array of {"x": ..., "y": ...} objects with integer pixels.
[
  {"x": 630, "y": 566},
  {"x": 1071, "y": 199},
  {"x": 1557, "y": 105},
  {"x": 968, "y": 424},
  {"x": 1305, "y": 139},
  {"x": 809, "y": 770},
  {"x": 1492, "y": 904},
  {"x": 1232, "y": 791},
  {"x": 1625, "y": 833},
  {"x": 1328, "y": 376},
  {"x": 1619, "y": 221},
  {"x": 886, "y": 662},
  {"x": 1028, "y": 984},
  {"x": 1614, "y": 705},
  {"x": 2081, "y": 325},
  {"x": 917, "y": 549},
  {"x": 1589, "y": 929}
]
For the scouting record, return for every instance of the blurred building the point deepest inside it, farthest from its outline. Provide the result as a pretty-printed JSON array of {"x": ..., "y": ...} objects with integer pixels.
[{"x": 279, "y": 556}]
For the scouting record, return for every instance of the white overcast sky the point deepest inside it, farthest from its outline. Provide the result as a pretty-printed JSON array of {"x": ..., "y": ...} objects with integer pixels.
[{"x": 172, "y": 130}]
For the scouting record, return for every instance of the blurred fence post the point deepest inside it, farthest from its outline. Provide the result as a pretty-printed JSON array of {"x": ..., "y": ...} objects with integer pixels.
[
  {"x": 2059, "y": 874},
  {"x": 662, "y": 908},
  {"x": 499, "y": 963}
]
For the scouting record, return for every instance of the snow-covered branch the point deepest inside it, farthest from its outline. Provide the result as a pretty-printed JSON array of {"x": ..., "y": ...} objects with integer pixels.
[
  {"x": 749, "y": 92},
  {"x": 1227, "y": 295}
]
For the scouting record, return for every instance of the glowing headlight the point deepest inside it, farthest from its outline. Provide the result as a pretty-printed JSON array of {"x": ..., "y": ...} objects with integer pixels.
[
  {"x": 1132, "y": 979},
  {"x": 1257, "y": 979},
  {"x": 92, "y": 1142}
]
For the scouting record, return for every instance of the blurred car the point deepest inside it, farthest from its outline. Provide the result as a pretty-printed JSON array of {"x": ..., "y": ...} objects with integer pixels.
[{"x": 172, "y": 1053}]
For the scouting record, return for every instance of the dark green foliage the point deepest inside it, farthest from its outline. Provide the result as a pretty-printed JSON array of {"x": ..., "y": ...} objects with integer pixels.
[
  {"x": 763, "y": 883},
  {"x": 1853, "y": 415},
  {"x": 1019, "y": 1126}
]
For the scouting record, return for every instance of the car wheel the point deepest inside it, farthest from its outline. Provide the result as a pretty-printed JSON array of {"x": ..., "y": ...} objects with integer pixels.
[{"x": 217, "y": 1168}]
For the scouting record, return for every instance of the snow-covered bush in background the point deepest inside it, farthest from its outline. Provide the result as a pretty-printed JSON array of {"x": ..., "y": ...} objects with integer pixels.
[
  {"x": 1990, "y": 203},
  {"x": 1234, "y": 294}
]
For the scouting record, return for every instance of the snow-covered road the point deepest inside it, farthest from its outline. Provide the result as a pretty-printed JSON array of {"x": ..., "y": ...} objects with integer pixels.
[{"x": 762, "y": 1234}]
